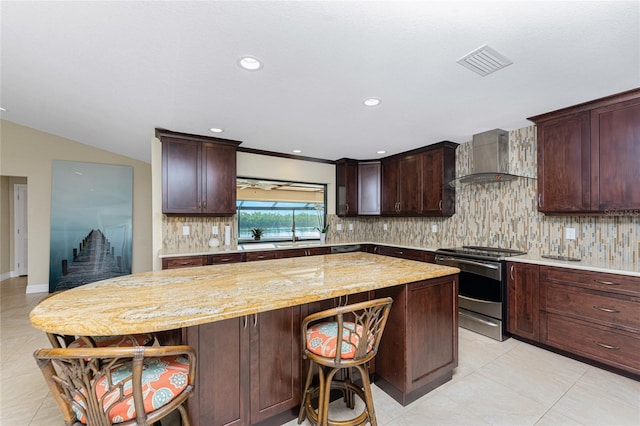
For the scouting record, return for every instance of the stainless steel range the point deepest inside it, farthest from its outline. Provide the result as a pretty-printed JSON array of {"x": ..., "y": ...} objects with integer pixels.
[{"x": 482, "y": 296}]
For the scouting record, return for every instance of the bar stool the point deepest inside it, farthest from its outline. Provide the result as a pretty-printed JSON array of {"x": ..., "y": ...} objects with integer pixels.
[{"x": 360, "y": 326}]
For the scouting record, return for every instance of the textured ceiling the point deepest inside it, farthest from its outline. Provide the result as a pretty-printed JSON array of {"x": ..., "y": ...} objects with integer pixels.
[{"x": 107, "y": 73}]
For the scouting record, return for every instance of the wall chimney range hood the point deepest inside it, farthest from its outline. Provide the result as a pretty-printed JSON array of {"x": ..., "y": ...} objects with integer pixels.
[{"x": 489, "y": 159}]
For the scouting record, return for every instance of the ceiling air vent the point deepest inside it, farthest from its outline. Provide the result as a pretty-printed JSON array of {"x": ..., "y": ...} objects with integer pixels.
[{"x": 484, "y": 60}]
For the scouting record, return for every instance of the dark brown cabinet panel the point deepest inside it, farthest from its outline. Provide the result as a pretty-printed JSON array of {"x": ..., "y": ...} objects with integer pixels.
[
  {"x": 417, "y": 183},
  {"x": 248, "y": 368},
  {"x": 419, "y": 347},
  {"x": 261, "y": 255},
  {"x": 346, "y": 187},
  {"x": 215, "y": 259},
  {"x": 615, "y": 178},
  {"x": 588, "y": 156},
  {"x": 369, "y": 188},
  {"x": 523, "y": 307},
  {"x": 592, "y": 314},
  {"x": 182, "y": 262},
  {"x": 403, "y": 253},
  {"x": 198, "y": 174}
]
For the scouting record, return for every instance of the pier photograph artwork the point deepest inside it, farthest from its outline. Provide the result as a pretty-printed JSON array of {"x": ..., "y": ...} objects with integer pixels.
[{"x": 91, "y": 223}]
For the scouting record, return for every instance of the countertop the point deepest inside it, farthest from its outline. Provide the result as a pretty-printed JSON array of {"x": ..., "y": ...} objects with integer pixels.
[
  {"x": 596, "y": 265},
  {"x": 175, "y": 298}
]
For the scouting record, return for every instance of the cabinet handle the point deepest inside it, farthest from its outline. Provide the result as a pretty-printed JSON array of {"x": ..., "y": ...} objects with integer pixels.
[
  {"x": 204, "y": 204},
  {"x": 245, "y": 322},
  {"x": 511, "y": 272},
  {"x": 400, "y": 252},
  {"x": 606, "y": 282},
  {"x": 603, "y": 309},
  {"x": 604, "y": 345},
  {"x": 440, "y": 205},
  {"x": 255, "y": 320},
  {"x": 346, "y": 208},
  {"x": 540, "y": 200}
]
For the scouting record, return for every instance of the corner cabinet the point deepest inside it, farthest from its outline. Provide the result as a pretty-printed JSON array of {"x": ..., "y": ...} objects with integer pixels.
[
  {"x": 416, "y": 183},
  {"x": 346, "y": 187},
  {"x": 198, "y": 174},
  {"x": 588, "y": 157}
]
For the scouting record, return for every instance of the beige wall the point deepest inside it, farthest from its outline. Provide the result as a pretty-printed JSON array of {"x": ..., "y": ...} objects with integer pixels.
[{"x": 30, "y": 153}]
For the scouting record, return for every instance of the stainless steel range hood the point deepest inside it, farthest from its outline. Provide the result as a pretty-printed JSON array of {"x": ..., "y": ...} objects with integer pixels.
[{"x": 489, "y": 159}]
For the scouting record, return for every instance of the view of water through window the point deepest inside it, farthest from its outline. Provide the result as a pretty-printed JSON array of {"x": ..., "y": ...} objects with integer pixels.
[{"x": 276, "y": 209}]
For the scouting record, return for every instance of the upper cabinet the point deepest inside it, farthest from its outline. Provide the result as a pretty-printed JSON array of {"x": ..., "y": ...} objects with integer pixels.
[
  {"x": 417, "y": 183},
  {"x": 369, "y": 188},
  {"x": 198, "y": 174},
  {"x": 588, "y": 157},
  {"x": 346, "y": 187}
]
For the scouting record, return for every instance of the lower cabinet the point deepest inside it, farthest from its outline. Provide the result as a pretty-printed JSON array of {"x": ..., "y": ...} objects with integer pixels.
[
  {"x": 182, "y": 262},
  {"x": 593, "y": 315},
  {"x": 419, "y": 347},
  {"x": 248, "y": 368},
  {"x": 523, "y": 301}
]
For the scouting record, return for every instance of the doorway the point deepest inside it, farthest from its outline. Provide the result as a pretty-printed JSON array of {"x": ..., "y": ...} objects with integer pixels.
[{"x": 20, "y": 229}]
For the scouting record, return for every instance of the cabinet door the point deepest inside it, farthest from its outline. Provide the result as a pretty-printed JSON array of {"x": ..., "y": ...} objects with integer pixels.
[
  {"x": 615, "y": 133},
  {"x": 182, "y": 262},
  {"x": 410, "y": 184},
  {"x": 438, "y": 197},
  {"x": 564, "y": 155},
  {"x": 218, "y": 179},
  {"x": 523, "y": 307},
  {"x": 390, "y": 176},
  {"x": 275, "y": 363},
  {"x": 181, "y": 184},
  {"x": 369, "y": 188},
  {"x": 347, "y": 188},
  {"x": 223, "y": 373}
]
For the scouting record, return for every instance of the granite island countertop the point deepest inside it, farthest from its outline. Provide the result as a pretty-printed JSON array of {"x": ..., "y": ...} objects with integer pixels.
[{"x": 175, "y": 298}]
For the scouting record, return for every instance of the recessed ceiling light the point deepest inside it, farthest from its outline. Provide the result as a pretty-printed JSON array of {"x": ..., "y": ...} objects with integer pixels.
[
  {"x": 382, "y": 151},
  {"x": 370, "y": 102},
  {"x": 216, "y": 130},
  {"x": 250, "y": 63},
  {"x": 297, "y": 151}
]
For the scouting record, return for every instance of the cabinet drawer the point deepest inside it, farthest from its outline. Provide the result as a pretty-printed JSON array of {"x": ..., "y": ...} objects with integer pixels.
[
  {"x": 617, "y": 348},
  {"x": 619, "y": 312},
  {"x": 182, "y": 262},
  {"x": 261, "y": 255},
  {"x": 401, "y": 253},
  {"x": 214, "y": 259},
  {"x": 621, "y": 284}
]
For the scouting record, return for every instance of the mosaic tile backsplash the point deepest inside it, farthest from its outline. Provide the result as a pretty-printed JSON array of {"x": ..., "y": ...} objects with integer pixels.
[{"x": 497, "y": 214}]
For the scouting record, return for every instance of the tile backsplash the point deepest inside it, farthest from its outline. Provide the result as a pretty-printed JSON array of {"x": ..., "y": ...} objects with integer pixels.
[{"x": 495, "y": 214}]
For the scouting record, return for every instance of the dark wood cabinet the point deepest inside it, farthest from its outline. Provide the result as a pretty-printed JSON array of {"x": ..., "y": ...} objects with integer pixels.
[
  {"x": 419, "y": 347},
  {"x": 216, "y": 259},
  {"x": 248, "y": 368},
  {"x": 403, "y": 253},
  {"x": 182, "y": 262},
  {"x": 523, "y": 306},
  {"x": 588, "y": 156},
  {"x": 198, "y": 174},
  {"x": 416, "y": 183},
  {"x": 346, "y": 187},
  {"x": 251, "y": 256},
  {"x": 591, "y": 314},
  {"x": 369, "y": 188}
]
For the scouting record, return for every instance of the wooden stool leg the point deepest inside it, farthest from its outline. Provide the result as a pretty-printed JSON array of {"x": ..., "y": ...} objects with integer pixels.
[
  {"x": 325, "y": 394},
  {"x": 303, "y": 410},
  {"x": 366, "y": 385}
]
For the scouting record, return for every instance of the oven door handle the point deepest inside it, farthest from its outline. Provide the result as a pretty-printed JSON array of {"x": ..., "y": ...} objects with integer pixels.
[
  {"x": 480, "y": 320},
  {"x": 474, "y": 300},
  {"x": 471, "y": 262}
]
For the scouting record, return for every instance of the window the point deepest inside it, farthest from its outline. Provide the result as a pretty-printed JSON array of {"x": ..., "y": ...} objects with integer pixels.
[{"x": 278, "y": 208}]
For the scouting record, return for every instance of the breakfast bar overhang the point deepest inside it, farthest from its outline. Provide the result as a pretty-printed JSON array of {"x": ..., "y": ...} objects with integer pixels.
[{"x": 244, "y": 319}]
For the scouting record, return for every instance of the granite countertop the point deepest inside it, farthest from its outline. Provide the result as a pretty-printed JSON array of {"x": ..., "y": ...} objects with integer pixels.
[{"x": 175, "y": 298}]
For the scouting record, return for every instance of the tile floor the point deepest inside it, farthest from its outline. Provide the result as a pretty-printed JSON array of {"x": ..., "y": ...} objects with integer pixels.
[{"x": 508, "y": 383}]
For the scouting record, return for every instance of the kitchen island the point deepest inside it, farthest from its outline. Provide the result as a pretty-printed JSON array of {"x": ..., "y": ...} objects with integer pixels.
[{"x": 244, "y": 321}]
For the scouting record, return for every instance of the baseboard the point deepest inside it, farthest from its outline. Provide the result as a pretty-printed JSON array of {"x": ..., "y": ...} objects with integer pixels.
[
  {"x": 6, "y": 276},
  {"x": 38, "y": 288}
]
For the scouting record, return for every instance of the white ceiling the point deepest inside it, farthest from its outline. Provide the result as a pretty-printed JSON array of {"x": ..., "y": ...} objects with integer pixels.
[{"x": 108, "y": 73}]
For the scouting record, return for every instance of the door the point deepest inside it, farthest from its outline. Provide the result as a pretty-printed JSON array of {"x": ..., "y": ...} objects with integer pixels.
[
  {"x": 523, "y": 300},
  {"x": 410, "y": 184},
  {"x": 181, "y": 176},
  {"x": 20, "y": 228},
  {"x": 219, "y": 179},
  {"x": 390, "y": 176}
]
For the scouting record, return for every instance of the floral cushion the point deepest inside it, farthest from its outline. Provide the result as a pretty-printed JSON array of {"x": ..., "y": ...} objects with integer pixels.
[
  {"x": 321, "y": 339},
  {"x": 162, "y": 380},
  {"x": 115, "y": 341}
]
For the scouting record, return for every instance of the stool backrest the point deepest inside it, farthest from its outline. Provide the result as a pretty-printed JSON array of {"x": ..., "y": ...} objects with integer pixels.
[
  {"x": 87, "y": 383},
  {"x": 365, "y": 322}
]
